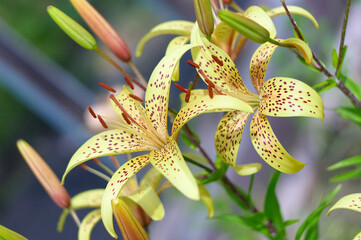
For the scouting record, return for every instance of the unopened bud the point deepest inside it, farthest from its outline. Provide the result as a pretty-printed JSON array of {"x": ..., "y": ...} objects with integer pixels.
[
  {"x": 204, "y": 16},
  {"x": 247, "y": 27},
  {"x": 127, "y": 222},
  {"x": 44, "y": 174},
  {"x": 72, "y": 28},
  {"x": 102, "y": 29},
  {"x": 227, "y": 2}
]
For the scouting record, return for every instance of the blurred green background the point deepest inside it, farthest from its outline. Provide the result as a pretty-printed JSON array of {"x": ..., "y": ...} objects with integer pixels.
[{"x": 27, "y": 30}]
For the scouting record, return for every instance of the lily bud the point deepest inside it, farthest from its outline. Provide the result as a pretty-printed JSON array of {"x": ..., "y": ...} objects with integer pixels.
[
  {"x": 227, "y": 2},
  {"x": 127, "y": 222},
  {"x": 102, "y": 29},
  {"x": 44, "y": 174},
  {"x": 204, "y": 16},
  {"x": 72, "y": 28},
  {"x": 247, "y": 27}
]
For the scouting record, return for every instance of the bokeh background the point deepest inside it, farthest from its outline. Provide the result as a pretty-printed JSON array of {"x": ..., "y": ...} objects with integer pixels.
[{"x": 46, "y": 82}]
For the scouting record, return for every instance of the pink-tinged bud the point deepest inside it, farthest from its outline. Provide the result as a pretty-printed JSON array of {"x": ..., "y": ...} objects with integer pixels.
[
  {"x": 227, "y": 2},
  {"x": 128, "y": 224},
  {"x": 102, "y": 29},
  {"x": 44, "y": 174}
]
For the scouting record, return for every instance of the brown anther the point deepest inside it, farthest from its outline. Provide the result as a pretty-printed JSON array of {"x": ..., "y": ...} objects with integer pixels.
[
  {"x": 130, "y": 84},
  {"x": 188, "y": 95},
  {"x": 180, "y": 87},
  {"x": 107, "y": 87},
  {"x": 96, "y": 160},
  {"x": 92, "y": 112},
  {"x": 126, "y": 118},
  {"x": 193, "y": 64},
  {"x": 210, "y": 91},
  {"x": 112, "y": 97},
  {"x": 217, "y": 60},
  {"x": 209, "y": 83},
  {"x": 135, "y": 97},
  {"x": 101, "y": 120}
]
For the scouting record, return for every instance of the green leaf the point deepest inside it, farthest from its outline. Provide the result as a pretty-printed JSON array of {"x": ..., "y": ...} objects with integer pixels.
[
  {"x": 350, "y": 84},
  {"x": 334, "y": 58},
  {"x": 356, "y": 173},
  {"x": 272, "y": 208},
  {"x": 215, "y": 176},
  {"x": 290, "y": 222},
  {"x": 188, "y": 141},
  {"x": 311, "y": 222},
  {"x": 7, "y": 234},
  {"x": 195, "y": 157},
  {"x": 325, "y": 85},
  {"x": 355, "y": 160},
  {"x": 349, "y": 113},
  {"x": 254, "y": 221},
  {"x": 309, "y": 66},
  {"x": 341, "y": 63}
]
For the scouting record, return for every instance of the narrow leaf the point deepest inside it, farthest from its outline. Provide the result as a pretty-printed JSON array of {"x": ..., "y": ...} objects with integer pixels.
[
  {"x": 349, "y": 113},
  {"x": 353, "y": 174},
  {"x": 354, "y": 87},
  {"x": 355, "y": 160},
  {"x": 334, "y": 58},
  {"x": 325, "y": 85}
]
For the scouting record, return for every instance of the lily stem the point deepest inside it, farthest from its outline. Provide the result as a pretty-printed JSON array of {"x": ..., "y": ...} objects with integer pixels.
[{"x": 320, "y": 66}]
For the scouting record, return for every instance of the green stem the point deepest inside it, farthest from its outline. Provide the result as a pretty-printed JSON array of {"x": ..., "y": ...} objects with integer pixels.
[
  {"x": 343, "y": 34},
  {"x": 197, "y": 163}
]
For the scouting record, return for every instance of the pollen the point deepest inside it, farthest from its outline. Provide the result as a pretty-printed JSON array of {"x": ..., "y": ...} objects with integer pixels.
[
  {"x": 107, "y": 87},
  {"x": 135, "y": 97},
  {"x": 193, "y": 64},
  {"x": 92, "y": 112},
  {"x": 101, "y": 120},
  {"x": 130, "y": 84},
  {"x": 180, "y": 87}
]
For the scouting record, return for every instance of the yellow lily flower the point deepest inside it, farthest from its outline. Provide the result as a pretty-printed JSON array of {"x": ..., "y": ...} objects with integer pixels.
[
  {"x": 145, "y": 129},
  {"x": 277, "y": 97}
]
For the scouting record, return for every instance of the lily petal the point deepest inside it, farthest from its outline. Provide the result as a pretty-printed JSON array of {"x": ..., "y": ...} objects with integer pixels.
[
  {"x": 285, "y": 97},
  {"x": 301, "y": 46},
  {"x": 6, "y": 233},
  {"x": 219, "y": 103},
  {"x": 115, "y": 185},
  {"x": 157, "y": 94},
  {"x": 169, "y": 161},
  {"x": 153, "y": 177},
  {"x": 223, "y": 36},
  {"x": 107, "y": 143},
  {"x": 229, "y": 135},
  {"x": 183, "y": 28},
  {"x": 259, "y": 63},
  {"x": 258, "y": 15},
  {"x": 174, "y": 43},
  {"x": 269, "y": 148},
  {"x": 295, "y": 10},
  {"x": 351, "y": 202},
  {"x": 207, "y": 200},
  {"x": 88, "y": 223},
  {"x": 357, "y": 237},
  {"x": 195, "y": 94},
  {"x": 225, "y": 77},
  {"x": 247, "y": 169},
  {"x": 149, "y": 201},
  {"x": 87, "y": 199}
]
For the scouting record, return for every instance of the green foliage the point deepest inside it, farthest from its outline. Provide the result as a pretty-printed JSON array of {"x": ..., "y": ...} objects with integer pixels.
[
  {"x": 352, "y": 114},
  {"x": 325, "y": 85},
  {"x": 352, "y": 174},
  {"x": 352, "y": 86}
]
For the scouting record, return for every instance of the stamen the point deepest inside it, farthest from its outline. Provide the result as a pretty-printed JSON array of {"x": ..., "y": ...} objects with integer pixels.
[
  {"x": 219, "y": 92},
  {"x": 135, "y": 97},
  {"x": 92, "y": 112},
  {"x": 210, "y": 91},
  {"x": 107, "y": 87},
  {"x": 101, "y": 120},
  {"x": 193, "y": 64},
  {"x": 96, "y": 160},
  {"x": 180, "y": 87},
  {"x": 126, "y": 118},
  {"x": 202, "y": 73},
  {"x": 121, "y": 108},
  {"x": 129, "y": 83},
  {"x": 115, "y": 161},
  {"x": 217, "y": 60},
  {"x": 209, "y": 82},
  {"x": 188, "y": 95}
]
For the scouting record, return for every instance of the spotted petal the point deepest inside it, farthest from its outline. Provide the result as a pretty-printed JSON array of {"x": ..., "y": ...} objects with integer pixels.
[
  {"x": 225, "y": 77},
  {"x": 195, "y": 94},
  {"x": 174, "y": 43},
  {"x": 259, "y": 63},
  {"x": 351, "y": 202},
  {"x": 219, "y": 103},
  {"x": 169, "y": 161},
  {"x": 223, "y": 36},
  {"x": 269, "y": 148},
  {"x": 357, "y": 237},
  {"x": 285, "y": 97},
  {"x": 88, "y": 223},
  {"x": 115, "y": 186},
  {"x": 157, "y": 94},
  {"x": 107, "y": 143},
  {"x": 172, "y": 27},
  {"x": 258, "y": 15}
]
